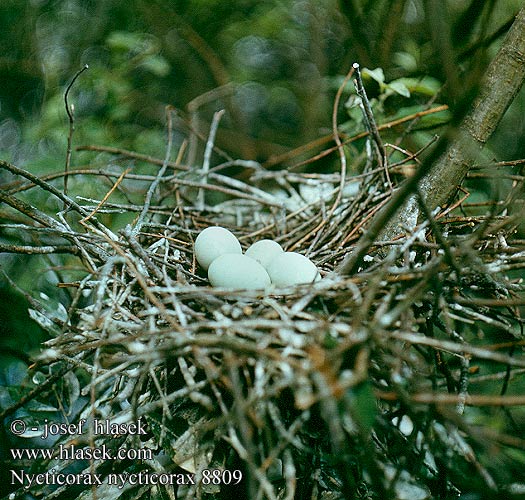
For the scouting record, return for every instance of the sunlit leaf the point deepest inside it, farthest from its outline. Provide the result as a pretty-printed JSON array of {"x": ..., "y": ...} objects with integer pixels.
[
  {"x": 376, "y": 74},
  {"x": 400, "y": 88},
  {"x": 156, "y": 65}
]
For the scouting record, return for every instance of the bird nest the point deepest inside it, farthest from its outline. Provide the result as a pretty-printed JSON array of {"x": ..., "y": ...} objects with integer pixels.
[{"x": 397, "y": 381}]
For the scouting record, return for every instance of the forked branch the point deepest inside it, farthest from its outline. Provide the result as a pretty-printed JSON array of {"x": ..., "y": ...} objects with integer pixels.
[{"x": 440, "y": 175}]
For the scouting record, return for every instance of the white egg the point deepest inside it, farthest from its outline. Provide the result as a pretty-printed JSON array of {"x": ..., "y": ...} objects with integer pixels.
[
  {"x": 291, "y": 268},
  {"x": 264, "y": 251},
  {"x": 233, "y": 270},
  {"x": 213, "y": 242}
]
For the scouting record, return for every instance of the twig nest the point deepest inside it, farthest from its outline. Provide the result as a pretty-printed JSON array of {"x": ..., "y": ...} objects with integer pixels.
[
  {"x": 291, "y": 268},
  {"x": 264, "y": 251},
  {"x": 213, "y": 242},
  {"x": 234, "y": 270}
]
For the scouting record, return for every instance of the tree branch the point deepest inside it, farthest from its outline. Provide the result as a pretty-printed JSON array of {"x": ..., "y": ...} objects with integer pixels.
[
  {"x": 502, "y": 82},
  {"x": 438, "y": 181}
]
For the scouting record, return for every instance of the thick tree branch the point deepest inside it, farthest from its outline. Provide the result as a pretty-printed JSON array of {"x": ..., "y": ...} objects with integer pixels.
[
  {"x": 438, "y": 181},
  {"x": 501, "y": 84}
]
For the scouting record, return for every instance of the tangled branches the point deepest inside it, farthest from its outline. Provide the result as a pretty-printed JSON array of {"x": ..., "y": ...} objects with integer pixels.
[
  {"x": 377, "y": 385},
  {"x": 398, "y": 375}
]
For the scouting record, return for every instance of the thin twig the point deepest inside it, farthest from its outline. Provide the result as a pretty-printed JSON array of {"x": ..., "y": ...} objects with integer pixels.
[
  {"x": 70, "y": 110},
  {"x": 153, "y": 186},
  {"x": 201, "y": 201},
  {"x": 371, "y": 122},
  {"x": 455, "y": 399},
  {"x": 342, "y": 158},
  {"x": 275, "y": 160},
  {"x": 106, "y": 196},
  {"x": 50, "y": 188},
  {"x": 35, "y": 250}
]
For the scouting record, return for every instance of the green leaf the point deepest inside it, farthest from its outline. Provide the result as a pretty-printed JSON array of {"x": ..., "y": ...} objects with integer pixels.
[
  {"x": 425, "y": 85},
  {"x": 124, "y": 40},
  {"x": 329, "y": 342},
  {"x": 376, "y": 74},
  {"x": 156, "y": 65},
  {"x": 406, "y": 60},
  {"x": 400, "y": 88},
  {"x": 363, "y": 405}
]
